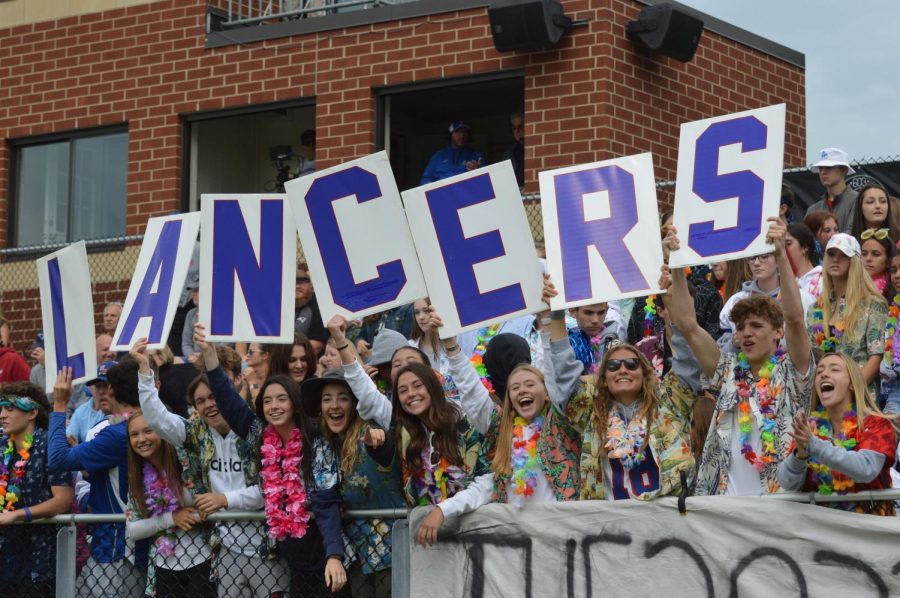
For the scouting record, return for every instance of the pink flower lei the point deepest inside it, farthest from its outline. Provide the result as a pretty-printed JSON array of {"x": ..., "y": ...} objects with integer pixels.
[
  {"x": 282, "y": 484},
  {"x": 160, "y": 499}
]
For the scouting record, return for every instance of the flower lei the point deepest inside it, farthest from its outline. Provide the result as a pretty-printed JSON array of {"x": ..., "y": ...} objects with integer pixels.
[
  {"x": 625, "y": 442},
  {"x": 437, "y": 483},
  {"x": 881, "y": 282},
  {"x": 160, "y": 499},
  {"x": 9, "y": 486},
  {"x": 596, "y": 343},
  {"x": 891, "y": 333},
  {"x": 827, "y": 344},
  {"x": 826, "y": 480},
  {"x": 282, "y": 484},
  {"x": 649, "y": 315},
  {"x": 526, "y": 465},
  {"x": 767, "y": 395},
  {"x": 477, "y": 358}
]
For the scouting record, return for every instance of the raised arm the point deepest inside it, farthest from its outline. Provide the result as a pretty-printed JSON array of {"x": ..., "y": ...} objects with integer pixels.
[
  {"x": 562, "y": 369},
  {"x": 232, "y": 405},
  {"x": 371, "y": 404},
  {"x": 791, "y": 305},
  {"x": 169, "y": 426},
  {"x": 681, "y": 306}
]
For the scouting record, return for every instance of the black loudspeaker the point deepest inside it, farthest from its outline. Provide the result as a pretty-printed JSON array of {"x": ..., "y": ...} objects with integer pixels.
[
  {"x": 667, "y": 30},
  {"x": 527, "y": 24}
]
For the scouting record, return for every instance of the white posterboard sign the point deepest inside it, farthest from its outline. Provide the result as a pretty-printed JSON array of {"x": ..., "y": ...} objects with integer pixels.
[
  {"x": 355, "y": 238},
  {"x": 601, "y": 231},
  {"x": 248, "y": 249},
  {"x": 67, "y": 309},
  {"x": 158, "y": 281},
  {"x": 476, "y": 249},
  {"x": 728, "y": 184}
]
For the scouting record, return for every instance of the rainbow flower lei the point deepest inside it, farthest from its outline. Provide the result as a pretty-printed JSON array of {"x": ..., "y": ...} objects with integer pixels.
[
  {"x": 10, "y": 492},
  {"x": 625, "y": 443},
  {"x": 826, "y": 480},
  {"x": 437, "y": 483},
  {"x": 526, "y": 465},
  {"x": 891, "y": 334},
  {"x": 828, "y": 344},
  {"x": 282, "y": 484},
  {"x": 649, "y": 315},
  {"x": 767, "y": 395},
  {"x": 160, "y": 499},
  {"x": 477, "y": 358}
]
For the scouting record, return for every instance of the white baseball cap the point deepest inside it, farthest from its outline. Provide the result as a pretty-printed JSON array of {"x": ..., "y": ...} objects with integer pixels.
[
  {"x": 832, "y": 156},
  {"x": 847, "y": 244}
]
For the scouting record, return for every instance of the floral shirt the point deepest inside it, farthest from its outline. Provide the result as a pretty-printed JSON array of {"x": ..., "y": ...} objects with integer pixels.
[
  {"x": 796, "y": 391},
  {"x": 559, "y": 449},
  {"x": 669, "y": 435},
  {"x": 32, "y": 559}
]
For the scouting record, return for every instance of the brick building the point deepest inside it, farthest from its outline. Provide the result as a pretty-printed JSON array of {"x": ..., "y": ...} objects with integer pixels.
[{"x": 112, "y": 111}]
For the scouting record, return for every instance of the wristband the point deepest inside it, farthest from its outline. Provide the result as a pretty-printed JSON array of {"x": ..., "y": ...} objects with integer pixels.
[
  {"x": 342, "y": 347},
  {"x": 28, "y": 515},
  {"x": 558, "y": 315}
]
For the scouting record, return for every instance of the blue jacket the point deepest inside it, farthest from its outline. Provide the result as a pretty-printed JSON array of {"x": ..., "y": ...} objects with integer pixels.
[
  {"x": 105, "y": 458},
  {"x": 448, "y": 162}
]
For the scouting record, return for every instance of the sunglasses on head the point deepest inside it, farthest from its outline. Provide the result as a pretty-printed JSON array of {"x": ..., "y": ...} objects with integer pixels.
[
  {"x": 878, "y": 233},
  {"x": 631, "y": 364}
]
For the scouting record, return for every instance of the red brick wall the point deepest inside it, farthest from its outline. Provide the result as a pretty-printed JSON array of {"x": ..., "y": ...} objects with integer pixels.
[{"x": 592, "y": 97}]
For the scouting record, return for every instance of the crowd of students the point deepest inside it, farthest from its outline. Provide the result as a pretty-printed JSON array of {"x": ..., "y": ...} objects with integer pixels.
[{"x": 775, "y": 373}]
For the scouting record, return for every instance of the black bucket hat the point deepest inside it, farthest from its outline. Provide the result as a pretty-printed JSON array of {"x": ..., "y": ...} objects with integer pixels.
[{"x": 311, "y": 390}]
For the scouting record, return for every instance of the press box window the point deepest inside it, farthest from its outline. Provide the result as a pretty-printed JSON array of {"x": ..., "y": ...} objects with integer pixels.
[{"x": 70, "y": 188}]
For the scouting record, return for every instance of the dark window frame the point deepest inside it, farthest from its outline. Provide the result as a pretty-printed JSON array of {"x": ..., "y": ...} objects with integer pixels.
[{"x": 17, "y": 145}]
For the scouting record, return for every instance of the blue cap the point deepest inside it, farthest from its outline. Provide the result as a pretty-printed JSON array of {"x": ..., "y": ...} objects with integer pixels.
[{"x": 102, "y": 372}]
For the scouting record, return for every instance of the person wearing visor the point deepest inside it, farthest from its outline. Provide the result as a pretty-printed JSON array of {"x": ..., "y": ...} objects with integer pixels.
[
  {"x": 28, "y": 490},
  {"x": 457, "y": 158}
]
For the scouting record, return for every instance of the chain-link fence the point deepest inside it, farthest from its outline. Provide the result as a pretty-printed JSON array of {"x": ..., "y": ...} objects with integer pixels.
[{"x": 227, "y": 556}]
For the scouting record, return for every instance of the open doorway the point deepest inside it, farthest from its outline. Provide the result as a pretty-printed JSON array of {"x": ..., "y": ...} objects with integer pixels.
[
  {"x": 415, "y": 119},
  {"x": 250, "y": 150}
]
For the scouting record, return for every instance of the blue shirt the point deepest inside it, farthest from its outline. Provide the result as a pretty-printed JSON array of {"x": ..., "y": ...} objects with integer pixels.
[
  {"x": 84, "y": 418},
  {"x": 448, "y": 162}
]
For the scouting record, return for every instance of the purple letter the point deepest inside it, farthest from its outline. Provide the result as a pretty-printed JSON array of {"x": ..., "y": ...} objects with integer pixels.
[{"x": 63, "y": 359}]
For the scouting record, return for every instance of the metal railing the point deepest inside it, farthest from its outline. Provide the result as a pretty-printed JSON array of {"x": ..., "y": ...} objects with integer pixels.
[{"x": 240, "y": 13}]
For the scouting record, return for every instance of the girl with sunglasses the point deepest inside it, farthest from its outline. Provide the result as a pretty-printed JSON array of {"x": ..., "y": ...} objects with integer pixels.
[
  {"x": 850, "y": 315},
  {"x": 876, "y": 247},
  {"x": 873, "y": 211}
]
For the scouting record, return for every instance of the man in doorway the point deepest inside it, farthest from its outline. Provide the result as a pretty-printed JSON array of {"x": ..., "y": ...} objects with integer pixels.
[
  {"x": 516, "y": 153},
  {"x": 454, "y": 159},
  {"x": 839, "y": 199}
]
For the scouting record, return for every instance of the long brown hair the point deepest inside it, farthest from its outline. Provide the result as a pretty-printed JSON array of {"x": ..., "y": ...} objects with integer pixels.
[
  {"x": 348, "y": 446},
  {"x": 600, "y": 417},
  {"x": 441, "y": 419},
  {"x": 280, "y": 356},
  {"x": 430, "y": 336},
  {"x": 736, "y": 275},
  {"x": 171, "y": 469},
  {"x": 300, "y": 418},
  {"x": 502, "y": 462}
]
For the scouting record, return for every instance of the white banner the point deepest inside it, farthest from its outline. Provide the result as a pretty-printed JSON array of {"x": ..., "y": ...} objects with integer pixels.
[
  {"x": 67, "y": 309},
  {"x": 158, "y": 281},
  {"x": 601, "y": 230},
  {"x": 355, "y": 238},
  {"x": 248, "y": 262},
  {"x": 723, "y": 546},
  {"x": 473, "y": 239},
  {"x": 728, "y": 183}
]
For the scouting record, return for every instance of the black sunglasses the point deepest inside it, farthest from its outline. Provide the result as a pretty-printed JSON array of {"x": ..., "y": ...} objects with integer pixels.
[{"x": 631, "y": 364}]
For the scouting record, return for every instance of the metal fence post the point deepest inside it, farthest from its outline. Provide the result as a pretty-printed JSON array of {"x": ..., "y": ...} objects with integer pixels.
[
  {"x": 65, "y": 561},
  {"x": 400, "y": 559}
]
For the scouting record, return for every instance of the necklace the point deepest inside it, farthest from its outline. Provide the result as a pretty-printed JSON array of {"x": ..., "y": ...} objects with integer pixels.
[
  {"x": 10, "y": 481},
  {"x": 891, "y": 333},
  {"x": 282, "y": 484},
  {"x": 827, "y": 343},
  {"x": 625, "y": 442},
  {"x": 439, "y": 481},
  {"x": 477, "y": 359},
  {"x": 649, "y": 315},
  {"x": 160, "y": 499},
  {"x": 526, "y": 465},
  {"x": 767, "y": 395},
  {"x": 825, "y": 479}
]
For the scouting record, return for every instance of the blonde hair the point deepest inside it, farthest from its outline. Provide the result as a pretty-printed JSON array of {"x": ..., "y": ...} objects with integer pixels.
[
  {"x": 502, "y": 462},
  {"x": 862, "y": 398},
  {"x": 860, "y": 289},
  {"x": 600, "y": 417},
  {"x": 349, "y": 444}
]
